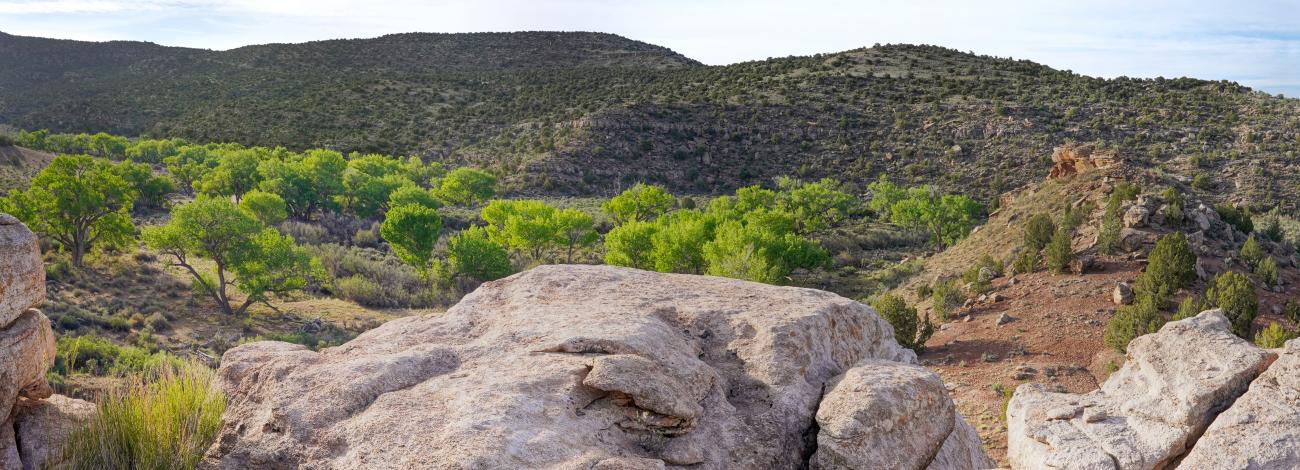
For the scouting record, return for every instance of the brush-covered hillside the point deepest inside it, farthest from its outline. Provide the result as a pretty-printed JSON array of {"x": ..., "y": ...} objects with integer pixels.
[{"x": 586, "y": 113}]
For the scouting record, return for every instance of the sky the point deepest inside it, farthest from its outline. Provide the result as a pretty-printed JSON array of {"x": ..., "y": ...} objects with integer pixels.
[{"x": 1254, "y": 42}]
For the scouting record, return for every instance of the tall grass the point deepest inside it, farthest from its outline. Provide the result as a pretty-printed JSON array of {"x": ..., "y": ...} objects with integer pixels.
[{"x": 165, "y": 419}]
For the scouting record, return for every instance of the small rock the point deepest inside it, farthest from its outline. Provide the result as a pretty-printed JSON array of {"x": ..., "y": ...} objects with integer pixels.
[
  {"x": 997, "y": 297},
  {"x": 1004, "y": 319},
  {"x": 1123, "y": 294}
]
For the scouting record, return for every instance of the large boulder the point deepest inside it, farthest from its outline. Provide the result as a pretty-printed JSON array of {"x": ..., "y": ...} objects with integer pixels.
[
  {"x": 1146, "y": 414},
  {"x": 26, "y": 352},
  {"x": 42, "y": 425},
  {"x": 1071, "y": 159},
  {"x": 1262, "y": 428},
  {"x": 559, "y": 367},
  {"x": 22, "y": 274},
  {"x": 891, "y": 415}
]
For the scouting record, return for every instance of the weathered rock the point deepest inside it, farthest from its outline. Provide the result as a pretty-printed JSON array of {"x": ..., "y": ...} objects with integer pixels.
[
  {"x": 1003, "y": 319},
  {"x": 884, "y": 414},
  {"x": 1136, "y": 216},
  {"x": 26, "y": 352},
  {"x": 9, "y": 457},
  {"x": 22, "y": 274},
  {"x": 558, "y": 367},
  {"x": 1071, "y": 159},
  {"x": 1147, "y": 413},
  {"x": 1262, "y": 428},
  {"x": 1131, "y": 239},
  {"x": 1123, "y": 294},
  {"x": 44, "y": 424}
]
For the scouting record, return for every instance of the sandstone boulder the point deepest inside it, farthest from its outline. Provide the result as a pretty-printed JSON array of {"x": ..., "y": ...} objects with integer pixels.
[
  {"x": 890, "y": 415},
  {"x": 43, "y": 424},
  {"x": 1123, "y": 294},
  {"x": 1262, "y": 428},
  {"x": 558, "y": 367},
  {"x": 22, "y": 274},
  {"x": 26, "y": 352},
  {"x": 1146, "y": 414},
  {"x": 1071, "y": 159},
  {"x": 1136, "y": 216}
]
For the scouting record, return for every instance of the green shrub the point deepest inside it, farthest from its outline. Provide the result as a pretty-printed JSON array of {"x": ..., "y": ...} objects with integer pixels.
[
  {"x": 1174, "y": 203},
  {"x": 164, "y": 424},
  {"x": 1274, "y": 336},
  {"x": 1072, "y": 218},
  {"x": 1292, "y": 310},
  {"x": 1251, "y": 253},
  {"x": 946, "y": 295},
  {"x": 1111, "y": 225},
  {"x": 157, "y": 322},
  {"x": 1038, "y": 232},
  {"x": 1236, "y": 216},
  {"x": 1026, "y": 262},
  {"x": 1058, "y": 253},
  {"x": 100, "y": 356},
  {"x": 1190, "y": 307},
  {"x": 1235, "y": 295},
  {"x": 1131, "y": 321},
  {"x": 1267, "y": 271},
  {"x": 923, "y": 291},
  {"x": 1170, "y": 266},
  {"x": 1201, "y": 181},
  {"x": 905, "y": 322}
]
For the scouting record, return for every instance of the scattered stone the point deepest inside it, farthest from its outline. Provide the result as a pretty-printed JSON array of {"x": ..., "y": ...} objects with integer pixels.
[
  {"x": 997, "y": 297},
  {"x": 1136, "y": 216},
  {"x": 1004, "y": 318},
  {"x": 1123, "y": 294}
]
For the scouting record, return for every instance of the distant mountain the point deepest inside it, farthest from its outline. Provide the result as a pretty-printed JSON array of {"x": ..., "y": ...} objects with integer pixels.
[{"x": 589, "y": 113}]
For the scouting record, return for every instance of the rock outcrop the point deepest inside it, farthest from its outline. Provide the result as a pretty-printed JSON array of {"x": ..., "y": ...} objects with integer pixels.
[
  {"x": 593, "y": 367},
  {"x": 1262, "y": 428},
  {"x": 31, "y": 418},
  {"x": 1071, "y": 159},
  {"x": 891, "y": 415},
  {"x": 1147, "y": 414}
]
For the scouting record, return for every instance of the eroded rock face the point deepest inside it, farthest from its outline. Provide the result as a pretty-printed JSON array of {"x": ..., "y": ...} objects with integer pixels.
[
  {"x": 1262, "y": 428},
  {"x": 559, "y": 367},
  {"x": 890, "y": 415},
  {"x": 1071, "y": 159},
  {"x": 22, "y": 275},
  {"x": 43, "y": 425},
  {"x": 26, "y": 352},
  {"x": 1146, "y": 414}
]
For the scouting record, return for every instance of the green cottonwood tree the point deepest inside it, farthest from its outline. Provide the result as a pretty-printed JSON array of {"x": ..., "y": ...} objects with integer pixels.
[
  {"x": 641, "y": 202},
  {"x": 466, "y": 186},
  {"x": 412, "y": 230},
  {"x": 573, "y": 229},
  {"x": 245, "y": 254},
  {"x": 472, "y": 253},
  {"x": 630, "y": 244},
  {"x": 80, "y": 202}
]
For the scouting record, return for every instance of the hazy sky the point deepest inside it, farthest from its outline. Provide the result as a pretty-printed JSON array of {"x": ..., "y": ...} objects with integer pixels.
[{"x": 1253, "y": 42}]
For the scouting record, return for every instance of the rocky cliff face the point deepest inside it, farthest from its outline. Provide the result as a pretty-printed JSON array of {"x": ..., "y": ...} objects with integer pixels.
[
  {"x": 1192, "y": 395},
  {"x": 600, "y": 367},
  {"x": 32, "y": 420}
]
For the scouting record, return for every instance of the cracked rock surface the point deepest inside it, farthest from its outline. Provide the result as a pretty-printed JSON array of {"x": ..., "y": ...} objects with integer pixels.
[
  {"x": 1146, "y": 415},
  {"x": 566, "y": 367}
]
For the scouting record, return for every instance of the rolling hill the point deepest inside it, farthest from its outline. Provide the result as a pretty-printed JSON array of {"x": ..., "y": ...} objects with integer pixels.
[{"x": 589, "y": 113}]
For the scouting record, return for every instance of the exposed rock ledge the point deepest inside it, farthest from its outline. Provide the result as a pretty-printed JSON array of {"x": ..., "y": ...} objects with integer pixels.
[
  {"x": 598, "y": 367},
  {"x": 1154, "y": 412}
]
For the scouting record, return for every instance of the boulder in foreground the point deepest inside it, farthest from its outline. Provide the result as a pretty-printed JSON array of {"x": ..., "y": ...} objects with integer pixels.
[{"x": 562, "y": 367}]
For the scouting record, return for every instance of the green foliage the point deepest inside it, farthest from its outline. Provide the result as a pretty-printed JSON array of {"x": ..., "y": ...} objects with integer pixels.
[
  {"x": 1174, "y": 202},
  {"x": 261, "y": 260},
  {"x": 1072, "y": 218},
  {"x": 1058, "y": 253},
  {"x": 164, "y": 424},
  {"x": 1238, "y": 217},
  {"x": 99, "y": 356},
  {"x": 525, "y": 225},
  {"x": 1026, "y": 262},
  {"x": 266, "y": 207},
  {"x": 369, "y": 182},
  {"x": 678, "y": 242},
  {"x": 1171, "y": 265},
  {"x": 79, "y": 202},
  {"x": 151, "y": 190},
  {"x": 413, "y": 195},
  {"x": 630, "y": 244},
  {"x": 760, "y": 246},
  {"x": 573, "y": 229},
  {"x": 1131, "y": 321},
  {"x": 307, "y": 182},
  {"x": 1267, "y": 271},
  {"x": 1251, "y": 253},
  {"x": 905, "y": 321},
  {"x": 945, "y": 296},
  {"x": 235, "y": 174},
  {"x": 472, "y": 253},
  {"x": 947, "y": 217},
  {"x": 412, "y": 231},
  {"x": 1038, "y": 232},
  {"x": 1274, "y": 336},
  {"x": 1292, "y": 310},
  {"x": 1111, "y": 223},
  {"x": 467, "y": 186},
  {"x": 1235, "y": 295},
  {"x": 815, "y": 206},
  {"x": 884, "y": 194},
  {"x": 1190, "y": 307},
  {"x": 641, "y": 202},
  {"x": 372, "y": 278}
]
